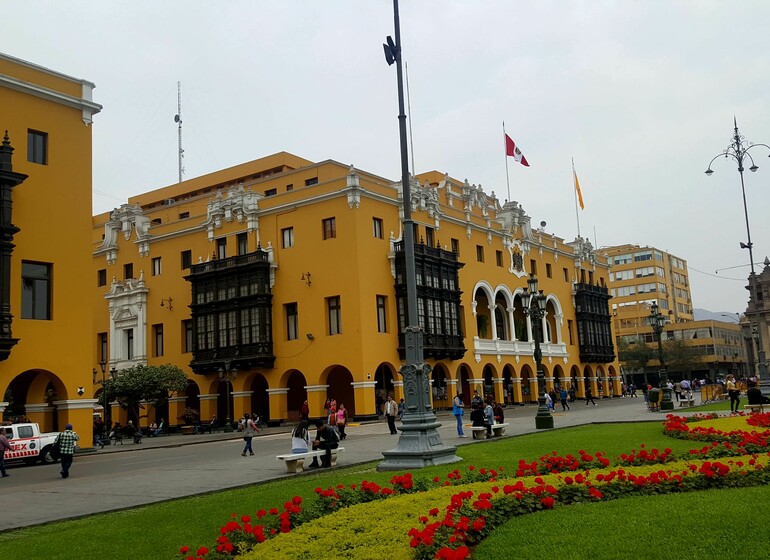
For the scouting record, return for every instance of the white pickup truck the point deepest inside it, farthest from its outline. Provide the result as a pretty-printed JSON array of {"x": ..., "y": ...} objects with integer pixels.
[{"x": 29, "y": 445}]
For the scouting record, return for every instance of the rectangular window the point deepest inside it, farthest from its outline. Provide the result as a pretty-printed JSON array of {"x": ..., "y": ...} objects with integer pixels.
[
  {"x": 289, "y": 187},
  {"x": 329, "y": 228},
  {"x": 271, "y": 192},
  {"x": 186, "y": 259},
  {"x": 566, "y": 274},
  {"x": 382, "y": 306},
  {"x": 35, "y": 290},
  {"x": 334, "y": 313},
  {"x": 156, "y": 269},
  {"x": 183, "y": 215},
  {"x": 643, "y": 256},
  {"x": 499, "y": 258},
  {"x": 311, "y": 181},
  {"x": 37, "y": 147},
  {"x": 222, "y": 248},
  {"x": 480, "y": 253},
  {"x": 128, "y": 339},
  {"x": 377, "y": 227},
  {"x": 622, "y": 259},
  {"x": 243, "y": 243},
  {"x": 590, "y": 277},
  {"x": 455, "y": 246},
  {"x": 533, "y": 266},
  {"x": 103, "y": 348},
  {"x": 548, "y": 271},
  {"x": 287, "y": 237},
  {"x": 429, "y": 237},
  {"x": 128, "y": 271},
  {"x": 292, "y": 321},
  {"x": 187, "y": 329},
  {"x": 157, "y": 336},
  {"x": 101, "y": 277}
]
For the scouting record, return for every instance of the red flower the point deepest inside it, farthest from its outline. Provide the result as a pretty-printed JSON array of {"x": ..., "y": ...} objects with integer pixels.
[
  {"x": 202, "y": 551},
  {"x": 184, "y": 550},
  {"x": 547, "y": 502}
]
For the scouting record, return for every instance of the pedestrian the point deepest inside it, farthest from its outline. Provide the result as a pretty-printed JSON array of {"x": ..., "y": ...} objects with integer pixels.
[
  {"x": 401, "y": 406},
  {"x": 342, "y": 420},
  {"x": 678, "y": 390},
  {"x": 632, "y": 390},
  {"x": 733, "y": 392},
  {"x": 300, "y": 438},
  {"x": 499, "y": 414},
  {"x": 552, "y": 394},
  {"x": 5, "y": 445},
  {"x": 249, "y": 431},
  {"x": 589, "y": 396},
  {"x": 67, "y": 441},
  {"x": 489, "y": 418},
  {"x": 458, "y": 409},
  {"x": 572, "y": 395},
  {"x": 548, "y": 400},
  {"x": 304, "y": 412},
  {"x": 391, "y": 411},
  {"x": 563, "y": 398},
  {"x": 326, "y": 439},
  {"x": 476, "y": 401},
  {"x": 98, "y": 431}
]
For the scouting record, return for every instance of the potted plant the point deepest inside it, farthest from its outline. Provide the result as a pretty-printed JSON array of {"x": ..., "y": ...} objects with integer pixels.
[{"x": 189, "y": 416}]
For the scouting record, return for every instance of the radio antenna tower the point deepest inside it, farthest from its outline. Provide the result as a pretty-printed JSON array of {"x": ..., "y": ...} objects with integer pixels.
[{"x": 178, "y": 120}]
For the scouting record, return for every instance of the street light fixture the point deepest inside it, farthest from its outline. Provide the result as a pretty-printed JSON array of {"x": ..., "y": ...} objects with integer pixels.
[
  {"x": 657, "y": 321},
  {"x": 419, "y": 444},
  {"x": 534, "y": 302},
  {"x": 228, "y": 374},
  {"x": 739, "y": 151}
]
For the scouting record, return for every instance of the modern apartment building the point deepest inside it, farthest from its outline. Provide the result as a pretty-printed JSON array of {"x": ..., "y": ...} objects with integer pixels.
[
  {"x": 640, "y": 276},
  {"x": 46, "y": 317},
  {"x": 282, "y": 280}
]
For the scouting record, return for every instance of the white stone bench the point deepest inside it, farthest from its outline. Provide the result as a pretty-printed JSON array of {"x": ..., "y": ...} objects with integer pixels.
[
  {"x": 686, "y": 402},
  {"x": 295, "y": 462},
  {"x": 754, "y": 407},
  {"x": 480, "y": 432}
]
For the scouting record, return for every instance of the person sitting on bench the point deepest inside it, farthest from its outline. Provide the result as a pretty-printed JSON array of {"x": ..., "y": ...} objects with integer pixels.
[
  {"x": 161, "y": 427},
  {"x": 300, "y": 438},
  {"x": 325, "y": 438},
  {"x": 755, "y": 396}
]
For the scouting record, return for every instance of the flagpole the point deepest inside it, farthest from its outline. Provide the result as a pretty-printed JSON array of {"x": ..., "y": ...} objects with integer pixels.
[
  {"x": 505, "y": 155},
  {"x": 574, "y": 188}
]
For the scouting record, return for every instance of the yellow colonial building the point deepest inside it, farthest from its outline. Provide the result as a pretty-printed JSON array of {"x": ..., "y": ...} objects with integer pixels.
[
  {"x": 46, "y": 316},
  {"x": 281, "y": 280}
]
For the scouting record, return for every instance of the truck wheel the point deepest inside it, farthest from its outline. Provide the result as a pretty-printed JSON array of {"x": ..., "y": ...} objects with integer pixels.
[{"x": 46, "y": 457}]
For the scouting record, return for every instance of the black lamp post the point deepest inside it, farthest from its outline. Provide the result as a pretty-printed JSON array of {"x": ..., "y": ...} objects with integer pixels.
[
  {"x": 657, "y": 321},
  {"x": 227, "y": 374},
  {"x": 419, "y": 444},
  {"x": 534, "y": 302},
  {"x": 739, "y": 151}
]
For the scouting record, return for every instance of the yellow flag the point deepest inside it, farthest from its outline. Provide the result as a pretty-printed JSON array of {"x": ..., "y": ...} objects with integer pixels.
[{"x": 577, "y": 189}]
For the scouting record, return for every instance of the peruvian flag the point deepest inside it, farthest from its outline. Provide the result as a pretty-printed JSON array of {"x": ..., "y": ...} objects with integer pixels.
[{"x": 514, "y": 152}]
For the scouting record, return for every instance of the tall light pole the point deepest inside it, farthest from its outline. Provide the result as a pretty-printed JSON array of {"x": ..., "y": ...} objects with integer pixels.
[
  {"x": 739, "y": 150},
  {"x": 419, "y": 444},
  {"x": 657, "y": 321},
  {"x": 534, "y": 302},
  {"x": 228, "y": 374}
]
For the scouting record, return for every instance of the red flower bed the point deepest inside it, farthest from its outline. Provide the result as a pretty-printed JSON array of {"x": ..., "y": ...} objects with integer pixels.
[{"x": 761, "y": 420}]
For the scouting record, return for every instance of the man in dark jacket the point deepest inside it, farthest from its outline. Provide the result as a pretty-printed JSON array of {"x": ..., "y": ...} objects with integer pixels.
[{"x": 325, "y": 438}]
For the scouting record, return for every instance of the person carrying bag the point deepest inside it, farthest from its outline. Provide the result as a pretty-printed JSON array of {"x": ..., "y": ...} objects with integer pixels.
[{"x": 458, "y": 409}]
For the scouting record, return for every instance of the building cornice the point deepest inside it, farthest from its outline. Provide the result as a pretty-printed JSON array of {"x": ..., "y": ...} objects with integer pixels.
[{"x": 84, "y": 104}]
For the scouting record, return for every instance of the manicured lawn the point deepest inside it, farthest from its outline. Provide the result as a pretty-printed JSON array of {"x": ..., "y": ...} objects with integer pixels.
[
  {"x": 157, "y": 531},
  {"x": 693, "y": 526}
]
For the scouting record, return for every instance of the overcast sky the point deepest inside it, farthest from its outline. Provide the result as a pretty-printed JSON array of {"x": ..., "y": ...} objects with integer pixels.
[{"x": 641, "y": 94}]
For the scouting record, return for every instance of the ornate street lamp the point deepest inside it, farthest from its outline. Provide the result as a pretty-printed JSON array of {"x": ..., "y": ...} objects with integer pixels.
[
  {"x": 657, "y": 321},
  {"x": 534, "y": 302},
  {"x": 228, "y": 374},
  {"x": 419, "y": 444},
  {"x": 739, "y": 150}
]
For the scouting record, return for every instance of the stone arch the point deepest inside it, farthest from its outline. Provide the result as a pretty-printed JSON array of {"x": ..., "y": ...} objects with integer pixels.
[
  {"x": 554, "y": 318},
  {"x": 260, "y": 398},
  {"x": 528, "y": 383},
  {"x": 558, "y": 376},
  {"x": 521, "y": 329},
  {"x": 32, "y": 394},
  {"x": 192, "y": 395},
  {"x": 601, "y": 380},
  {"x": 503, "y": 303},
  {"x": 384, "y": 375},
  {"x": 482, "y": 296},
  {"x": 508, "y": 374},
  {"x": 295, "y": 381},
  {"x": 340, "y": 388},
  {"x": 464, "y": 375},
  {"x": 439, "y": 375},
  {"x": 574, "y": 373}
]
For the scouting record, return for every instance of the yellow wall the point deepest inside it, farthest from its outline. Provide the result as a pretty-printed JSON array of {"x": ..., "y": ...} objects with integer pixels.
[{"x": 52, "y": 208}]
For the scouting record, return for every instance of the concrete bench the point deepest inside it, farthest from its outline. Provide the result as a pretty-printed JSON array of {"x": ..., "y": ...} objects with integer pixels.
[
  {"x": 754, "y": 407},
  {"x": 480, "y": 432},
  {"x": 686, "y": 402},
  {"x": 295, "y": 462}
]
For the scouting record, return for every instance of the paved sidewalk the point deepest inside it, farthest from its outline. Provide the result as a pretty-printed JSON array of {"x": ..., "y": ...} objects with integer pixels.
[{"x": 169, "y": 467}]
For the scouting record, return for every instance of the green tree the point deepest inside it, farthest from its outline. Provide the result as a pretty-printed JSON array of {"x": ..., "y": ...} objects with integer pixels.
[
  {"x": 152, "y": 384},
  {"x": 634, "y": 355},
  {"x": 680, "y": 357}
]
